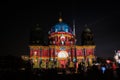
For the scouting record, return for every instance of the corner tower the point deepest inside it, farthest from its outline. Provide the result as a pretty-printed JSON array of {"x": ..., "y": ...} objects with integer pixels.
[
  {"x": 36, "y": 45},
  {"x": 36, "y": 37},
  {"x": 88, "y": 45},
  {"x": 87, "y": 36}
]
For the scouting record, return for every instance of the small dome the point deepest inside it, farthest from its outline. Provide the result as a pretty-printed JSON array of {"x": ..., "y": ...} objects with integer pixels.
[
  {"x": 61, "y": 27},
  {"x": 88, "y": 30},
  {"x": 36, "y": 35}
]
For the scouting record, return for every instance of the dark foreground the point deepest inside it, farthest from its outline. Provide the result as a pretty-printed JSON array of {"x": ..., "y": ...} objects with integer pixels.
[{"x": 61, "y": 75}]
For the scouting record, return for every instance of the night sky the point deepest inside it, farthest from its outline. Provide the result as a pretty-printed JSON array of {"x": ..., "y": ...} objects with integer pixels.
[{"x": 18, "y": 18}]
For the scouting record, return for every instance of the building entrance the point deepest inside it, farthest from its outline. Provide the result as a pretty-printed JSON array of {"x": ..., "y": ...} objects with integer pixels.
[{"x": 63, "y": 58}]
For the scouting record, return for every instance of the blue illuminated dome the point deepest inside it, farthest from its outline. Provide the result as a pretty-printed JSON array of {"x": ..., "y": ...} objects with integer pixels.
[{"x": 61, "y": 27}]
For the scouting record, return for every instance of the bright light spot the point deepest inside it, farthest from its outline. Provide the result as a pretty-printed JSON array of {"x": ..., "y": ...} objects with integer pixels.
[
  {"x": 103, "y": 69},
  {"x": 62, "y": 54},
  {"x": 119, "y": 61},
  {"x": 108, "y": 61},
  {"x": 35, "y": 52},
  {"x": 116, "y": 57}
]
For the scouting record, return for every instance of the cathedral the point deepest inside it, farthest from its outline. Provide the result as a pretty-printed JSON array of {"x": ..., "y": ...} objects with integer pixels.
[{"x": 61, "y": 51}]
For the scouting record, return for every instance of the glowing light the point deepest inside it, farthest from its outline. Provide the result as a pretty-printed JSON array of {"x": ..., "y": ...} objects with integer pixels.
[
  {"x": 119, "y": 61},
  {"x": 51, "y": 59},
  {"x": 60, "y": 19},
  {"x": 117, "y": 57},
  {"x": 62, "y": 54},
  {"x": 108, "y": 61},
  {"x": 35, "y": 52},
  {"x": 74, "y": 60},
  {"x": 103, "y": 69},
  {"x": 62, "y": 36}
]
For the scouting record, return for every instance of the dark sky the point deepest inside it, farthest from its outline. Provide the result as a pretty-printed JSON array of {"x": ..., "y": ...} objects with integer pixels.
[{"x": 18, "y": 17}]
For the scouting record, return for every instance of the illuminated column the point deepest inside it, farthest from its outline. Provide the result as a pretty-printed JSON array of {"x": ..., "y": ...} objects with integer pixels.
[
  {"x": 84, "y": 54},
  {"x": 38, "y": 52},
  {"x": 93, "y": 51},
  {"x": 71, "y": 54},
  {"x": 42, "y": 52},
  {"x": 49, "y": 53},
  {"x": 75, "y": 53},
  {"x": 54, "y": 51},
  {"x": 31, "y": 52},
  {"x": 67, "y": 40},
  {"x": 56, "y": 39}
]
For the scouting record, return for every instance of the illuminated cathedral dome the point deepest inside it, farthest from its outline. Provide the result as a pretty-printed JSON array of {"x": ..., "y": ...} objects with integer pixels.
[{"x": 61, "y": 27}]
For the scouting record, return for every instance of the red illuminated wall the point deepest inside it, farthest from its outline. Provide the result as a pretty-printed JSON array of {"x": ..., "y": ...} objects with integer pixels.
[
  {"x": 32, "y": 52},
  {"x": 89, "y": 52},
  {"x": 79, "y": 52}
]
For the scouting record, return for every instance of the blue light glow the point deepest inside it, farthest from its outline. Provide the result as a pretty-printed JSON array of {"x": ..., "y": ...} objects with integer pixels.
[
  {"x": 61, "y": 27},
  {"x": 103, "y": 69}
]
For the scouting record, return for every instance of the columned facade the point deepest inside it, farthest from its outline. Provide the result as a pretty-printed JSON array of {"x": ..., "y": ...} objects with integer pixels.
[{"x": 62, "y": 50}]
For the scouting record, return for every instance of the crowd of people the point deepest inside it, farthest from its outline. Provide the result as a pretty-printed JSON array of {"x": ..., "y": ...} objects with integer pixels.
[{"x": 13, "y": 70}]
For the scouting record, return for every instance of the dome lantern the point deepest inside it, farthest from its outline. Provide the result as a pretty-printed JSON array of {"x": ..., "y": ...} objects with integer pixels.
[{"x": 60, "y": 19}]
